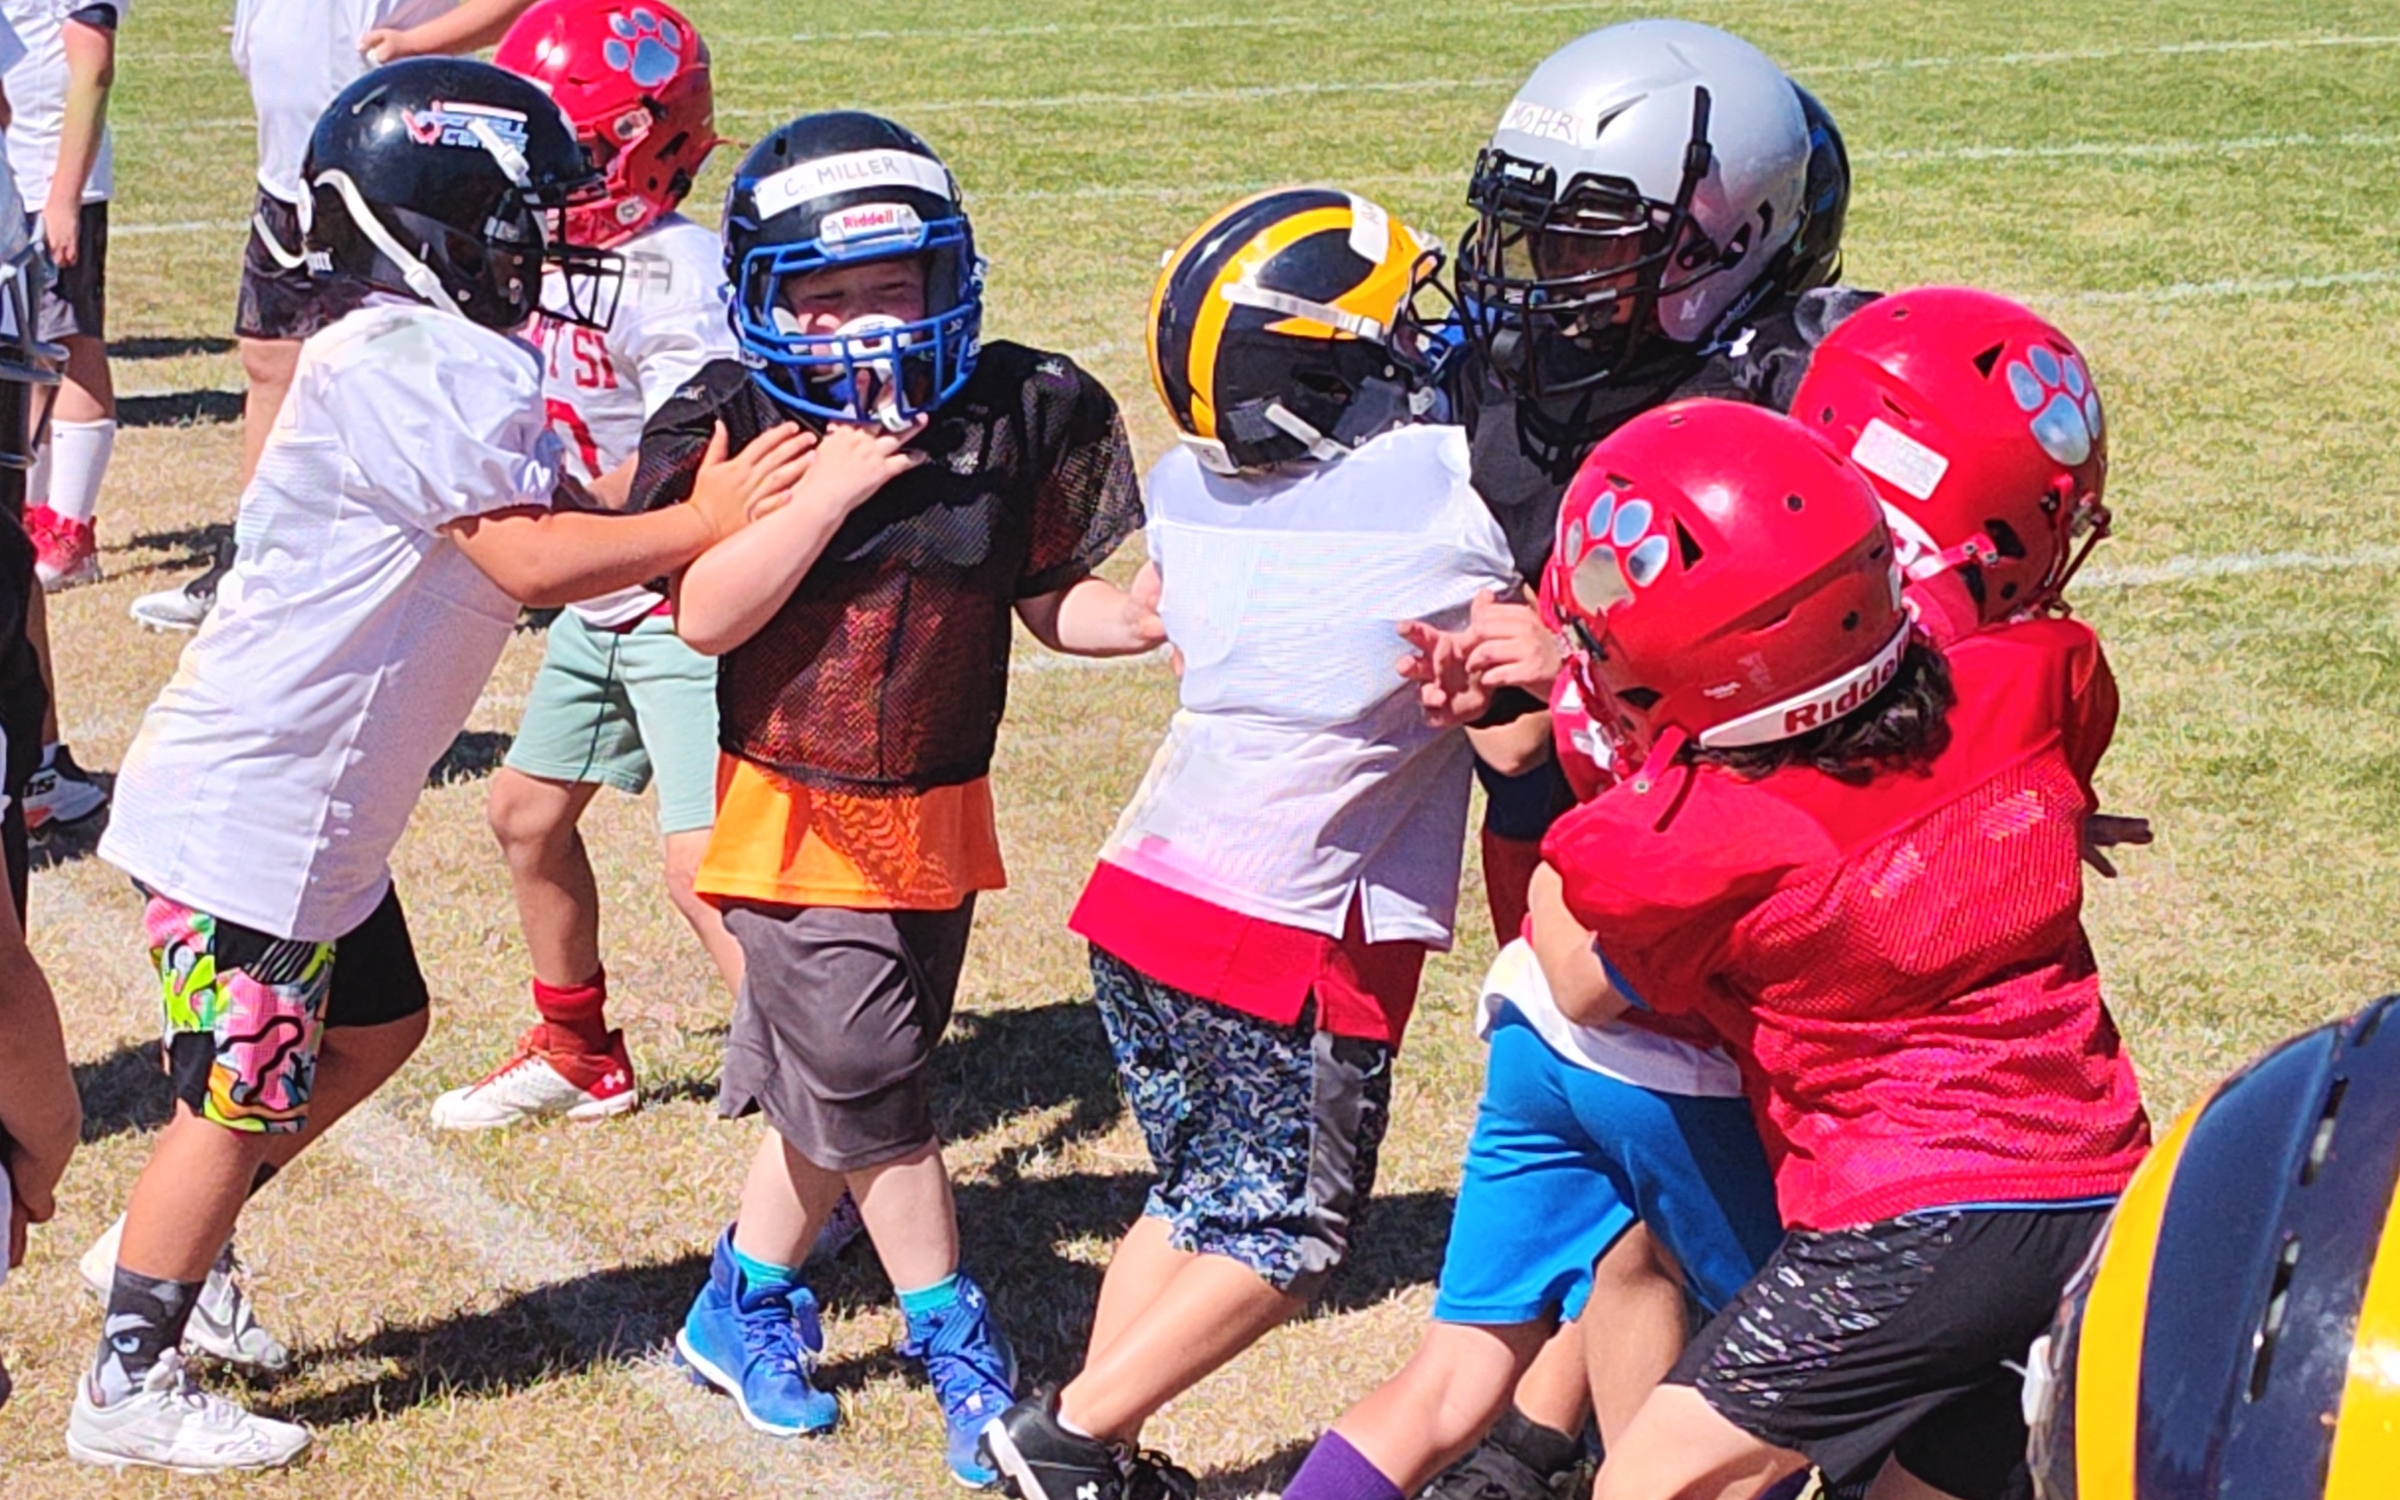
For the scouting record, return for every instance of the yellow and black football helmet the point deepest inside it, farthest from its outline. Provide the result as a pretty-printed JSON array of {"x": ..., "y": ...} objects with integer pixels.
[
  {"x": 2236, "y": 1333},
  {"x": 1272, "y": 330}
]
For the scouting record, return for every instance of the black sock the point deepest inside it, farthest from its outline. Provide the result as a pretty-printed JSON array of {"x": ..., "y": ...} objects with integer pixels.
[
  {"x": 145, "y": 1319},
  {"x": 1545, "y": 1450},
  {"x": 264, "y": 1175}
]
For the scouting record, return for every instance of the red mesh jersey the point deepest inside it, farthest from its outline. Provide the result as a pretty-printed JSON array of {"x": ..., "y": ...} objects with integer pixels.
[
  {"x": 887, "y": 669},
  {"x": 1902, "y": 966}
]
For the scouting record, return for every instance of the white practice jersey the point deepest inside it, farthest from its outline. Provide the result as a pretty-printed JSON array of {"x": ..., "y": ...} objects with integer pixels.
[
  {"x": 602, "y": 386},
  {"x": 1628, "y": 1054},
  {"x": 297, "y": 55},
  {"x": 1299, "y": 778},
  {"x": 37, "y": 99},
  {"x": 277, "y": 769}
]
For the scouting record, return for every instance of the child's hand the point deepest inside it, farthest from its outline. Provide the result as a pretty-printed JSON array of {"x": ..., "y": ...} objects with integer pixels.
[
  {"x": 1511, "y": 647},
  {"x": 854, "y": 461},
  {"x": 2103, "y": 831},
  {"x": 1449, "y": 693},
  {"x": 730, "y": 492}
]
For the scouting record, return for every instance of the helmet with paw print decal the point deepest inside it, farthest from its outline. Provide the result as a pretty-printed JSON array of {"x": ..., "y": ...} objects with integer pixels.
[
  {"x": 1979, "y": 424},
  {"x": 1723, "y": 576},
  {"x": 632, "y": 77}
]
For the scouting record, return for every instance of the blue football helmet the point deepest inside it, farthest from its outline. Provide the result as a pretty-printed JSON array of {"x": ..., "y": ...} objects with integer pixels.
[{"x": 847, "y": 188}]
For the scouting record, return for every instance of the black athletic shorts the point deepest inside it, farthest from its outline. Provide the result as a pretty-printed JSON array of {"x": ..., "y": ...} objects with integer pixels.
[
  {"x": 279, "y": 299},
  {"x": 1893, "y": 1340},
  {"x": 75, "y": 304}
]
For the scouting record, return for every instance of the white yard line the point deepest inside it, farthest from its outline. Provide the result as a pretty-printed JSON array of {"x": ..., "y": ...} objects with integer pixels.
[
  {"x": 2234, "y": 565},
  {"x": 2260, "y": 286}
]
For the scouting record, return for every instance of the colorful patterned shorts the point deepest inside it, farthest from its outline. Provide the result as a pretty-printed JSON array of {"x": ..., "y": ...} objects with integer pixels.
[
  {"x": 243, "y": 1015},
  {"x": 1264, "y": 1136}
]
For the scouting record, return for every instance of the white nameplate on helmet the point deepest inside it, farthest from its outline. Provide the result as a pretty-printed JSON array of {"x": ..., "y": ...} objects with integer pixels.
[
  {"x": 1370, "y": 231},
  {"x": 869, "y": 221},
  {"x": 1898, "y": 459},
  {"x": 849, "y": 172},
  {"x": 1542, "y": 122}
]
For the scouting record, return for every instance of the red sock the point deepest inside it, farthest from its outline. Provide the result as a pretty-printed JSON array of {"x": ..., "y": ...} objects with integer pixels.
[{"x": 573, "y": 1012}]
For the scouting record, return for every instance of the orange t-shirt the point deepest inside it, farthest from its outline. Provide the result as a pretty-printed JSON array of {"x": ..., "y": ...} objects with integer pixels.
[{"x": 779, "y": 841}]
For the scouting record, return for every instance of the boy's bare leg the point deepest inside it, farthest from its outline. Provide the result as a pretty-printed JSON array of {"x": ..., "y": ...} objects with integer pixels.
[
  {"x": 558, "y": 898},
  {"x": 1556, "y": 1389},
  {"x": 37, "y": 631},
  {"x": 268, "y": 364},
  {"x": 352, "y": 1063},
  {"x": 785, "y": 1198},
  {"x": 910, "y": 1217},
  {"x": 1679, "y": 1448},
  {"x": 1443, "y": 1400},
  {"x": 1211, "y": 1310},
  {"x": 1637, "y": 1296},
  {"x": 1896, "y": 1483},
  {"x": 1143, "y": 1266},
  {"x": 188, "y": 1196},
  {"x": 684, "y": 852}
]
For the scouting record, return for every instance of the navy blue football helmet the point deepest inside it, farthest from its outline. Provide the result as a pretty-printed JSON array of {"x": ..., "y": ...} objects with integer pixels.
[{"x": 848, "y": 188}]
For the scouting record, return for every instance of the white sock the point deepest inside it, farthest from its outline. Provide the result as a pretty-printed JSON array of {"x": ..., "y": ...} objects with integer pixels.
[
  {"x": 80, "y": 461},
  {"x": 37, "y": 478}
]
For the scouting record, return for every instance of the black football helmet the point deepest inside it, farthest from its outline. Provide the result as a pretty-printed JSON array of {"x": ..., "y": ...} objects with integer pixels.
[
  {"x": 448, "y": 180},
  {"x": 1814, "y": 257},
  {"x": 848, "y": 188}
]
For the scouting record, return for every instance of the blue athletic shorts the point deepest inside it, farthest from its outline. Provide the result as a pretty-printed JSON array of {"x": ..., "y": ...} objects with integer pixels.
[{"x": 1564, "y": 1160}]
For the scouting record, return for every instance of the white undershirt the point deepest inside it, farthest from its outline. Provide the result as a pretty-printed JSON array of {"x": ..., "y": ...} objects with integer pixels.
[{"x": 37, "y": 99}]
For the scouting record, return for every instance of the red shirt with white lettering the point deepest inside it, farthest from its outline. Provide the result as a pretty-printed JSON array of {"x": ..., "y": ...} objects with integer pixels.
[{"x": 1901, "y": 967}]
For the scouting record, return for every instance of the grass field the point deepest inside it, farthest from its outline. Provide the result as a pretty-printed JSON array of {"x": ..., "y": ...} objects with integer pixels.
[{"x": 2198, "y": 190}]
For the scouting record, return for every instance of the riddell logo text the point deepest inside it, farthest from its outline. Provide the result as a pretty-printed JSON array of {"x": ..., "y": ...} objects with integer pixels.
[{"x": 1802, "y": 717}]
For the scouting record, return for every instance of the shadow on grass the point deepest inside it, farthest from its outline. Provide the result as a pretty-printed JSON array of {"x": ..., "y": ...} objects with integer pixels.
[
  {"x": 187, "y": 547},
  {"x": 167, "y": 348},
  {"x": 475, "y": 754},
  {"x": 123, "y": 1093},
  {"x": 179, "y": 409},
  {"x": 66, "y": 843},
  {"x": 1260, "y": 1476}
]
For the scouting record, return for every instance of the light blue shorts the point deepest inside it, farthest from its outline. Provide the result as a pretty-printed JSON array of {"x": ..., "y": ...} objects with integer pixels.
[
  {"x": 1564, "y": 1160},
  {"x": 614, "y": 707}
]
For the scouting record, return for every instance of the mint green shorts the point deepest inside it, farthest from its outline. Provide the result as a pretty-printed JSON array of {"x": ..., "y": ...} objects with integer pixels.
[{"x": 616, "y": 708}]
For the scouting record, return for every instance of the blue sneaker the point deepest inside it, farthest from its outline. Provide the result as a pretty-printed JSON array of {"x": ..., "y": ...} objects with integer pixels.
[
  {"x": 974, "y": 1375},
  {"x": 757, "y": 1345}
]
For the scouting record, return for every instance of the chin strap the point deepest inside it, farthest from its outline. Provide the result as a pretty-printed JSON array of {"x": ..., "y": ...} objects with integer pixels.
[{"x": 418, "y": 276}]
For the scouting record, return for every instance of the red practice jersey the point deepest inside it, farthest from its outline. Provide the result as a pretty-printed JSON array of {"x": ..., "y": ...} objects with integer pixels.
[{"x": 1901, "y": 967}]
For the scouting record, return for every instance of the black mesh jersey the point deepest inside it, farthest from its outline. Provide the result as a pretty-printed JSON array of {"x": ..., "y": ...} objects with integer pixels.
[
  {"x": 1523, "y": 456},
  {"x": 887, "y": 669}
]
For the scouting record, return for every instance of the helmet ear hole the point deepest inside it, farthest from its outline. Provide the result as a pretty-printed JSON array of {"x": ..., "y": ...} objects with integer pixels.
[
  {"x": 1687, "y": 547},
  {"x": 1642, "y": 698},
  {"x": 2004, "y": 537}
]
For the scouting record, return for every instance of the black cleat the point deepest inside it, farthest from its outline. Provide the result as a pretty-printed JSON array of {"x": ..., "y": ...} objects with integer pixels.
[{"x": 1039, "y": 1459}]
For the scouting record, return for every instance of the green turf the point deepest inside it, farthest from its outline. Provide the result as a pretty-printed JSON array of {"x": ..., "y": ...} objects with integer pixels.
[{"x": 2162, "y": 178}]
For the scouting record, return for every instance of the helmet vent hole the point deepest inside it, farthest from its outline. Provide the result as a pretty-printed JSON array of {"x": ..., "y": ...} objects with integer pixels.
[
  {"x": 2004, "y": 537},
  {"x": 1794, "y": 504},
  {"x": 2008, "y": 592},
  {"x": 1850, "y": 620},
  {"x": 1989, "y": 360},
  {"x": 1686, "y": 546},
  {"x": 2322, "y": 1142},
  {"x": 2270, "y": 1327},
  {"x": 1642, "y": 698}
]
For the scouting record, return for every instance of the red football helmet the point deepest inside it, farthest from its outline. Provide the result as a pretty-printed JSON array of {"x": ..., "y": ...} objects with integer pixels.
[
  {"x": 1978, "y": 423},
  {"x": 1723, "y": 576},
  {"x": 632, "y": 77}
]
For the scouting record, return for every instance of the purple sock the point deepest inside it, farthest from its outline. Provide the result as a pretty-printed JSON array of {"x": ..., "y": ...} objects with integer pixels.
[{"x": 1334, "y": 1470}]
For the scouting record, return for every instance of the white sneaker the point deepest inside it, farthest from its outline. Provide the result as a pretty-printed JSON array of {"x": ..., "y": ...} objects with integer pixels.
[
  {"x": 224, "y": 1326},
  {"x": 170, "y": 1423},
  {"x": 184, "y": 606},
  {"x": 61, "y": 791},
  {"x": 536, "y": 1083}
]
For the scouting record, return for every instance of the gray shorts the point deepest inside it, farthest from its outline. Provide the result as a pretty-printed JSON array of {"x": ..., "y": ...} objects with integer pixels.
[{"x": 839, "y": 1012}]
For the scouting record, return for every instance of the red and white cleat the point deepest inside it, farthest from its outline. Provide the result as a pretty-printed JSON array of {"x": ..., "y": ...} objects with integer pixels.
[
  {"x": 65, "y": 553},
  {"x": 539, "y": 1082}
]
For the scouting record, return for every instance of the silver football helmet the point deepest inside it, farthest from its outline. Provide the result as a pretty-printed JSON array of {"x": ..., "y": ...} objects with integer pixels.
[
  {"x": 1640, "y": 185},
  {"x": 25, "y": 361}
]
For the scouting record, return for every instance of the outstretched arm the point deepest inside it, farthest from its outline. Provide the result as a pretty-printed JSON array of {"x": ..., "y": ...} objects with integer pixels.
[
  {"x": 1570, "y": 963},
  {"x": 474, "y": 24}
]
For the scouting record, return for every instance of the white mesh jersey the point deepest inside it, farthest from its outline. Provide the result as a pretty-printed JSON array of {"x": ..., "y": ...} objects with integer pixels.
[
  {"x": 37, "y": 99},
  {"x": 277, "y": 769},
  {"x": 602, "y": 386},
  {"x": 298, "y": 54},
  {"x": 1298, "y": 775}
]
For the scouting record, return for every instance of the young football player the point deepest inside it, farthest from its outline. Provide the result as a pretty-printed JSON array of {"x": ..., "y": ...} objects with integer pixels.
[
  {"x": 1690, "y": 248},
  {"x": 400, "y": 515},
  {"x": 61, "y": 155},
  {"x": 296, "y": 55},
  {"x": 862, "y": 633},
  {"x": 1857, "y": 859},
  {"x": 619, "y": 696},
  {"x": 1260, "y": 915}
]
